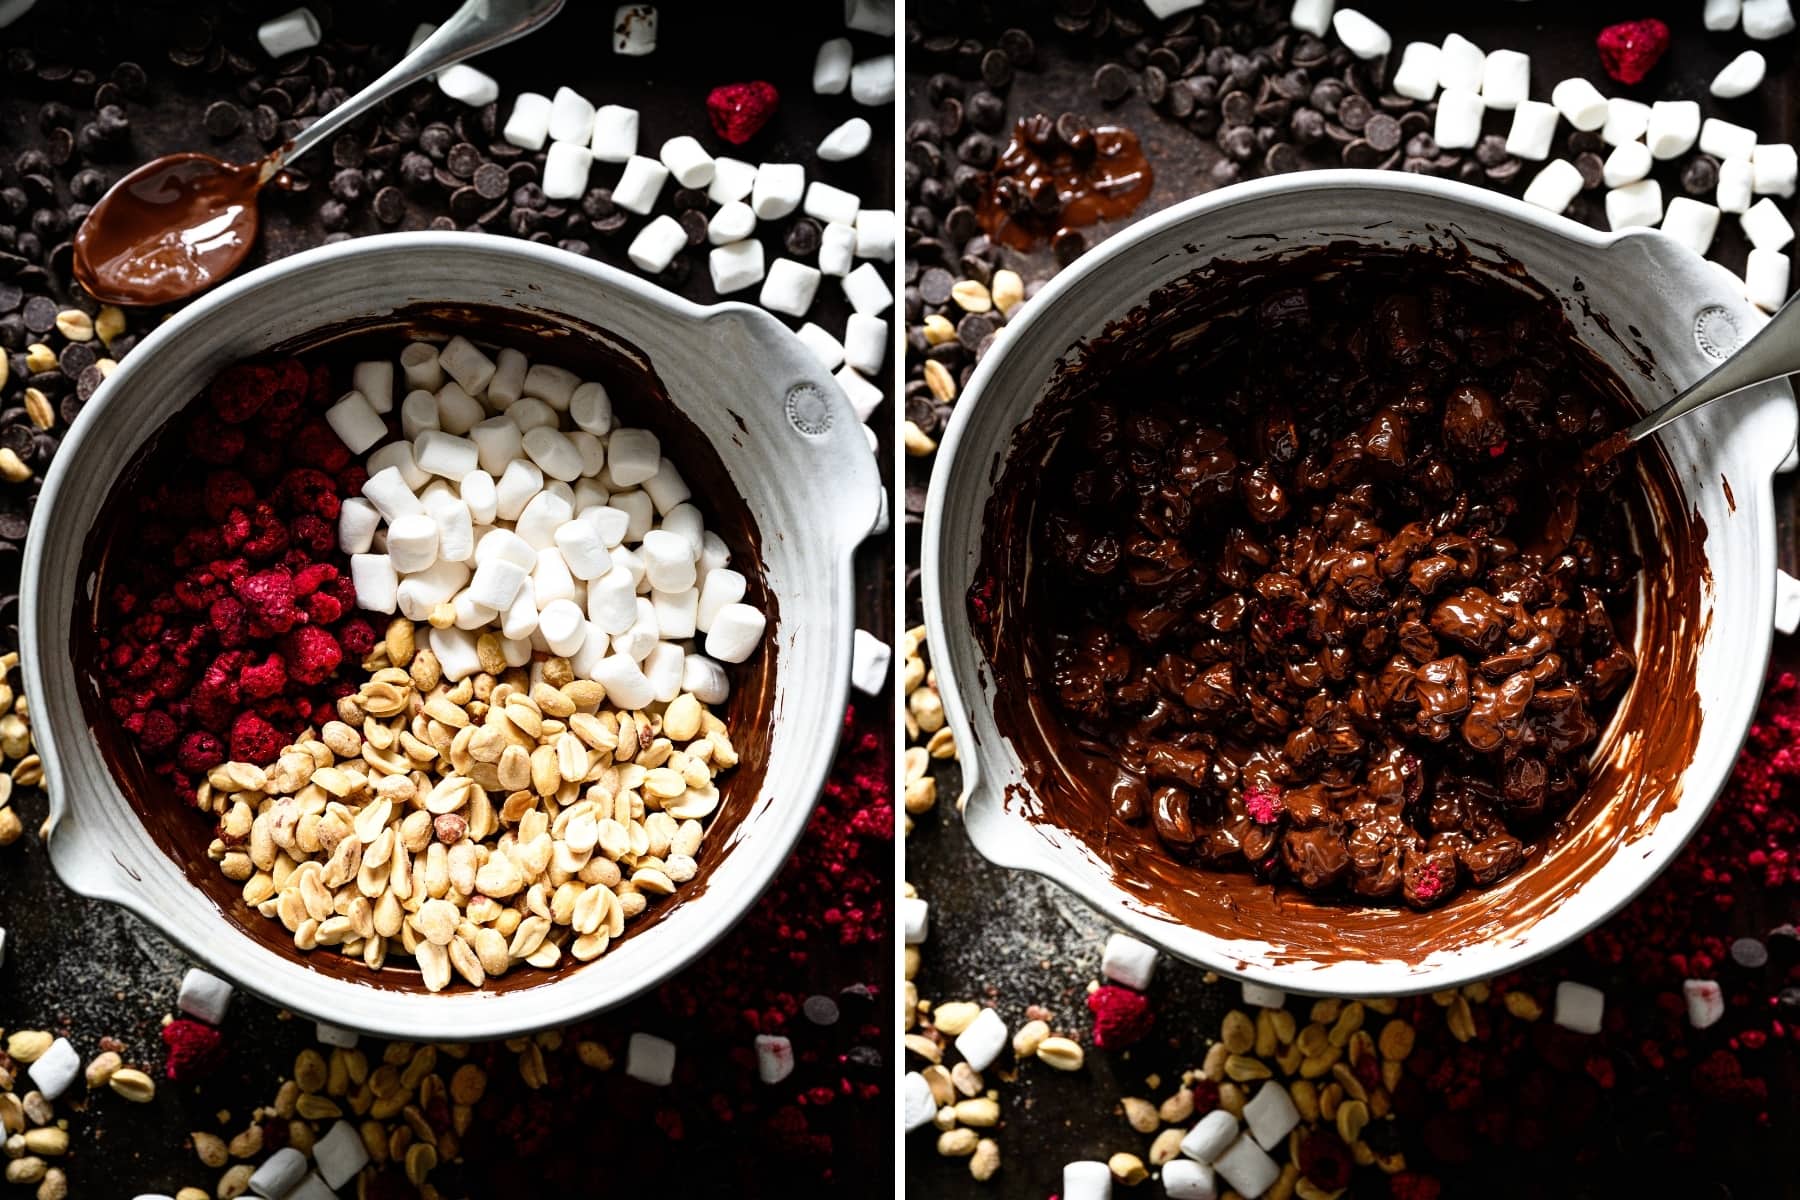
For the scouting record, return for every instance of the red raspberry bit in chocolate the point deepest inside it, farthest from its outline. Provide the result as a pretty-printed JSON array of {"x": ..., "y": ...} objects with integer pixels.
[{"x": 1263, "y": 804}]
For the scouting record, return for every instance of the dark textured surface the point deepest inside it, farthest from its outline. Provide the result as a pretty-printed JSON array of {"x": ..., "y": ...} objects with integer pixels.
[
  {"x": 86, "y": 969},
  {"x": 1015, "y": 940}
]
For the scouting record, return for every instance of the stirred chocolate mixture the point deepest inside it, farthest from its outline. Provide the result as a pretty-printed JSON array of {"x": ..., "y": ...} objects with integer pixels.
[{"x": 1329, "y": 586}]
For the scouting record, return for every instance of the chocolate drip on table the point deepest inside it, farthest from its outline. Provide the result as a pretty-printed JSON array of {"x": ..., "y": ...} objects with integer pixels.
[{"x": 1060, "y": 174}]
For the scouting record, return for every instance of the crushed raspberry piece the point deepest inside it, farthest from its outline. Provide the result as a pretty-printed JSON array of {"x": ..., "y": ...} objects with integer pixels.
[
  {"x": 739, "y": 110},
  {"x": 269, "y": 595},
  {"x": 156, "y": 731},
  {"x": 357, "y": 637},
  {"x": 226, "y": 490},
  {"x": 1631, "y": 49},
  {"x": 1410, "y": 1185},
  {"x": 254, "y": 740},
  {"x": 262, "y": 680},
  {"x": 1121, "y": 1016},
  {"x": 195, "y": 1050},
  {"x": 315, "y": 655},
  {"x": 200, "y": 751},
  {"x": 241, "y": 390},
  {"x": 1325, "y": 1160},
  {"x": 1263, "y": 804},
  {"x": 210, "y": 440}
]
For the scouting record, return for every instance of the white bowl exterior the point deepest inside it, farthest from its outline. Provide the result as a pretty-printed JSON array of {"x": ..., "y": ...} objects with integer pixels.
[
  {"x": 814, "y": 495},
  {"x": 1642, "y": 281}
]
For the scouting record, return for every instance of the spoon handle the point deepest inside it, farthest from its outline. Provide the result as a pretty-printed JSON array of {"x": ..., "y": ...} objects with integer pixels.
[
  {"x": 1772, "y": 353},
  {"x": 477, "y": 26}
]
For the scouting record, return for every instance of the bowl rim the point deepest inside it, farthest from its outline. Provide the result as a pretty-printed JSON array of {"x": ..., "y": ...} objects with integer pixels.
[
  {"x": 1027, "y": 850},
  {"x": 91, "y": 868}
]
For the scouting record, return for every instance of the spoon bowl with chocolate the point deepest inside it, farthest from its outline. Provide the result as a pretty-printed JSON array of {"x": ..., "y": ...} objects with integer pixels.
[{"x": 1302, "y": 632}]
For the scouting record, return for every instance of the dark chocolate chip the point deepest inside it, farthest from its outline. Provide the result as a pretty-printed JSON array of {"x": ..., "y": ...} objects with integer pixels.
[
  {"x": 1699, "y": 175},
  {"x": 1018, "y": 47},
  {"x": 40, "y": 314},
  {"x": 802, "y": 239},
  {"x": 1354, "y": 112},
  {"x": 1592, "y": 168},
  {"x": 1111, "y": 83},
  {"x": 462, "y": 160},
  {"x": 1491, "y": 150},
  {"x": 996, "y": 69},
  {"x": 934, "y": 286},
  {"x": 1281, "y": 159},
  {"x": 490, "y": 181},
  {"x": 693, "y": 223},
  {"x": 223, "y": 118},
  {"x": 1382, "y": 132},
  {"x": 1068, "y": 245}
]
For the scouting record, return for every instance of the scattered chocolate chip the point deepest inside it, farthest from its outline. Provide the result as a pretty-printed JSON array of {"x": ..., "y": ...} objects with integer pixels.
[
  {"x": 693, "y": 223},
  {"x": 1111, "y": 83},
  {"x": 1700, "y": 175},
  {"x": 1354, "y": 112},
  {"x": 223, "y": 118},
  {"x": 490, "y": 181},
  {"x": 802, "y": 238},
  {"x": 1382, "y": 132}
]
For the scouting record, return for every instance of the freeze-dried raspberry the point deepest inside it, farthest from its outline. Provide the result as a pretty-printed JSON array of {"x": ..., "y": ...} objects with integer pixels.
[
  {"x": 1325, "y": 1160},
  {"x": 200, "y": 751},
  {"x": 194, "y": 1049},
  {"x": 230, "y": 620},
  {"x": 259, "y": 681},
  {"x": 268, "y": 535},
  {"x": 357, "y": 637},
  {"x": 157, "y": 731},
  {"x": 269, "y": 595},
  {"x": 306, "y": 490},
  {"x": 312, "y": 535},
  {"x": 1263, "y": 804},
  {"x": 313, "y": 654},
  {"x": 312, "y": 577},
  {"x": 226, "y": 490},
  {"x": 322, "y": 608},
  {"x": 1121, "y": 1016},
  {"x": 1631, "y": 49},
  {"x": 740, "y": 110},
  {"x": 314, "y": 442},
  {"x": 254, "y": 740},
  {"x": 240, "y": 391},
  {"x": 211, "y": 440}
]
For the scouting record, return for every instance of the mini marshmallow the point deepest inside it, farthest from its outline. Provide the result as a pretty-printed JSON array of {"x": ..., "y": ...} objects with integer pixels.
[
  {"x": 870, "y": 16},
  {"x": 455, "y": 524},
  {"x": 56, "y": 1069},
  {"x": 1211, "y": 1137},
  {"x": 1363, "y": 37},
  {"x": 714, "y": 553},
  {"x": 399, "y": 455},
  {"x": 553, "y": 385},
  {"x": 538, "y": 522},
  {"x": 1765, "y": 20},
  {"x": 870, "y": 658},
  {"x": 1128, "y": 961},
  {"x": 1628, "y": 163},
  {"x": 789, "y": 287},
  {"x": 1626, "y": 121},
  {"x": 657, "y": 244},
  {"x": 1271, "y": 1115},
  {"x": 1460, "y": 64},
  {"x": 1579, "y": 1008},
  {"x": 669, "y": 491},
  {"x": 1533, "y": 129},
  {"x": 562, "y": 626},
  {"x": 419, "y": 363},
  {"x": 1637, "y": 203},
  {"x": 774, "y": 1058},
  {"x": 734, "y": 222},
  {"x": 875, "y": 233},
  {"x": 591, "y": 409},
  {"x": 827, "y": 349},
  {"x": 1312, "y": 16},
  {"x": 582, "y": 550},
  {"x": 675, "y": 613},
  {"x": 566, "y": 170},
  {"x": 610, "y": 522},
  {"x": 1765, "y": 225},
  {"x": 685, "y": 521},
  {"x": 289, "y": 33},
  {"x": 204, "y": 996},
  {"x": 529, "y": 125},
  {"x": 357, "y": 522},
  {"x": 457, "y": 411},
  {"x": 412, "y": 543},
  {"x": 1720, "y": 15},
  {"x": 1246, "y": 1167},
  {"x": 669, "y": 562},
  {"x": 1705, "y": 1002},
  {"x": 528, "y": 412},
  {"x": 519, "y": 620},
  {"x": 1261, "y": 995},
  {"x": 634, "y": 455},
  {"x": 845, "y": 142},
  {"x": 279, "y": 1174},
  {"x": 736, "y": 630},
  {"x": 517, "y": 485},
  {"x": 1505, "y": 79},
  {"x": 777, "y": 190},
  {"x": 340, "y": 1155},
  {"x": 390, "y": 495},
  {"x": 864, "y": 396},
  {"x": 638, "y": 510},
  {"x": 640, "y": 184},
  {"x": 1774, "y": 169},
  {"x": 553, "y": 453},
  {"x": 1184, "y": 1179},
  {"x": 594, "y": 647},
  {"x": 1674, "y": 127},
  {"x": 418, "y": 412},
  {"x": 829, "y": 203},
  {"x": 705, "y": 678},
  {"x": 335, "y": 1035},
  {"x": 1459, "y": 114},
  {"x": 375, "y": 380},
  {"x": 688, "y": 161},
  {"x": 720, "y": 587},
  {"x": 634, "y": 35},
  {"x": 837, "y": 249},
  {"x": 463, "y": 82},
  {"x": 1691, "y": 222},
  {"x": 571, "y": 117},
  {"x": 612, "y": 601},
  {"x": 1723, "y": 140},
  {"x": 1741, "y": 76},
  {"x": 831, "y": 67},
  {"x": 468, "y": 366},
  {"x": 1736, "y": 177},
  {"x": 662, "y": 668},
  {"x": 420, "y": 593},
  {"x": 867, "y": 291},
  {"x": 498, "y": 443},
  {"x": 733, "y": 178},
  {"x": 872, "y": 81},
  {"x": 455, "y": 650},
  {"x": 980, "y": 1044},
  {"x": 1417, "y": 76},
  {"x": 496, "y": 582},
  {"x": 1086, "y": 1181},
  {"x": 918, "y": 1104},
  {"x": 1766, "y": 279},
  {"x": 1554, "y": 187},
  {"x": 355, "y": 422},
  {"x": 1581, "y": 102},
  {"x": 865, "y": 342},
  {"x": 626, "y": 685},
  {"x": 915, "y": 920},
  {"x": 445, "y": 454},
  {"x": 736, "y": 266},
  {"x": 615, "y": 133}
]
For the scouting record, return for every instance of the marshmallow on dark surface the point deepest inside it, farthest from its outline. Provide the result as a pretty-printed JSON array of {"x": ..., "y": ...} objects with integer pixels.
[
  {"x": 688, "y": 161},
  {"x": 831, "y": 67},
  {"x": 1460, "y": 63},
  {"x": 736, "y": 265},
  {"x": 872, "y": 81},
  {"x": 639, "y": 185},
  {"x": 463, "y": 82},
  {"x": 1628, "y": 163},
  {"x": 1639, "y": 203},
  {"x": 1128, "y": 961},
  {"x": 1555, "y": 187},
  {"x": 734, "y": 222},
  {"x": 1580, "y": 102},
  {"x": 1741, "y": 76},
  {"x": 1458, "y": 124},
  {"x": 1086, "y": 1180},
  {"x": 204, "y": 996},
  {"x": 789, "y": 287},
  {"x": 1764, "y": 20},
  {"x": 1579, "y": 1008},
  {"x": 1691, "y": 222},
  {"x": 566, "y": 170},
  {"x": 529, "y": 125},
  {"x": 1533, "y": 130},
  {"x": 571, "y": 117},
  {"x": 732, "y": 180},
  {"x": 846, "y": 141},
  {"x": 1626, "y": 121},
  {"x": 615, "y": 133},
  {"x": 1361, "y": 35},
  {"x": 1417, "y": 76},
  {"x": 1773, "y": 169},
  {"x": 634, "y": 30},
  {"x": 1674, "y": 127},
  {"x": 1766, "y": 225},
  {"x": 291, "y": 32},
  {"x": 1766, "y": 279},
  {"x": 778, "y": 190},
  {"x": 1505, "y": 79}
]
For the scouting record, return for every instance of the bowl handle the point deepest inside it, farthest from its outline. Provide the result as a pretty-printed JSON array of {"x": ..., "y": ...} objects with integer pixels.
[{"x": 81, "y": 853}]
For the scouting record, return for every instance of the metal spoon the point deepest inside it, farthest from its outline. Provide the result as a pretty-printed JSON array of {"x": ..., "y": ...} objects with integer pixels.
[
  {"x": 1772, "y": 353},
  {"x": 181, "y": 223}
]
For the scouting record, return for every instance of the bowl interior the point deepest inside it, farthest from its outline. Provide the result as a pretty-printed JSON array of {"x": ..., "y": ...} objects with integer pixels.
[{"x": 1635, "y": 307}]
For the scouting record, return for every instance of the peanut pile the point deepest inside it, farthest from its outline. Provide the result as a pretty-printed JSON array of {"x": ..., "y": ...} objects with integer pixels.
[{"x": 511, "y": 817}]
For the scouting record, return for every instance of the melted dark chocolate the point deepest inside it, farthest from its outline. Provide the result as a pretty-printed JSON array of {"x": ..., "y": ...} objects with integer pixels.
[{"x": 1047, "y": 180}]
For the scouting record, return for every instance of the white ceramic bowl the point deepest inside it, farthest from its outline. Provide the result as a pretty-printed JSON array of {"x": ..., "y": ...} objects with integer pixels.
[
  {"x": 776, "y": 421},
  {"x": 1655, "y": 294}
]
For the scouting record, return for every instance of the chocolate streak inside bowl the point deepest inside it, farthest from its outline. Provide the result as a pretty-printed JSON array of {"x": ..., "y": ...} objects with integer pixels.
[
  {"x": 639, "y": 399},
  {"x": 1070, "y": 776}
]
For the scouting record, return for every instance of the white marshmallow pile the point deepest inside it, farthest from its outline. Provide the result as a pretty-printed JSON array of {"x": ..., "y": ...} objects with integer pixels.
[{"x": 513, "y": 503}]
